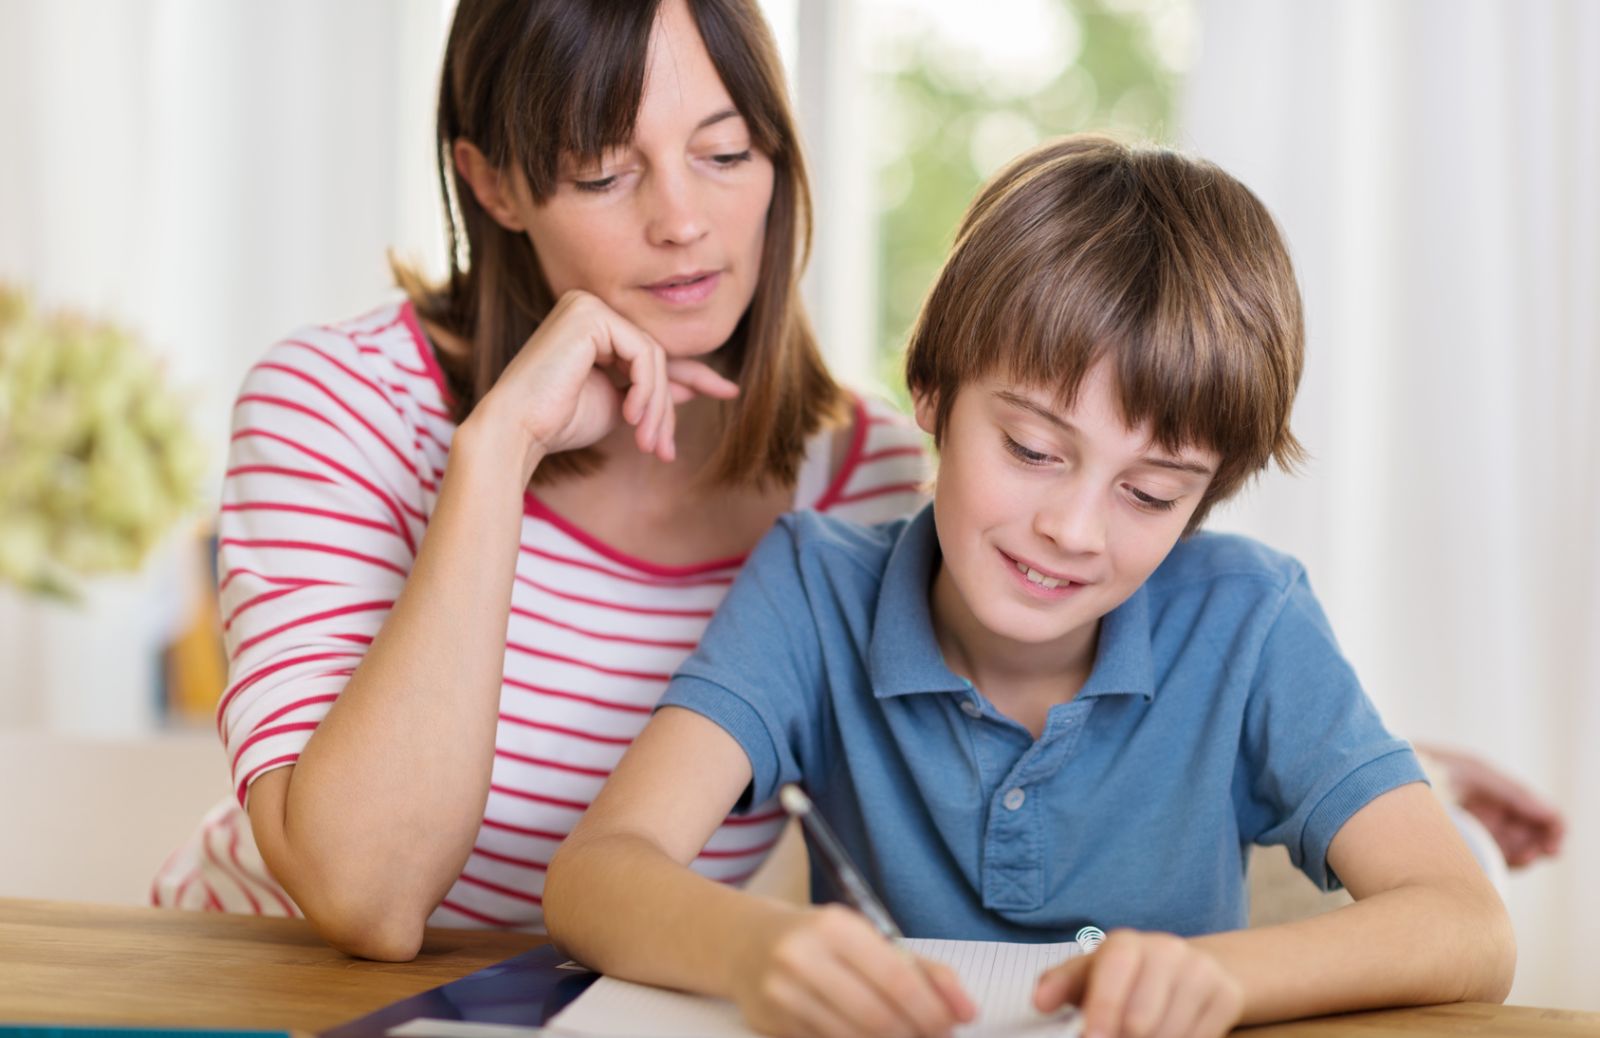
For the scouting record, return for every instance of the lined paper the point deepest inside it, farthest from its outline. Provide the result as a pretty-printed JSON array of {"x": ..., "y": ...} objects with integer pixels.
[{"x": 998, "y": 976}]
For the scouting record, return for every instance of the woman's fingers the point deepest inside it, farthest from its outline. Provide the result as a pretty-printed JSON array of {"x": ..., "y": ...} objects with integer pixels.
[
  {"x": 666, "y": 442},
  {"x": 643, "y": 361},
  {"x": 698, "y": 378}
]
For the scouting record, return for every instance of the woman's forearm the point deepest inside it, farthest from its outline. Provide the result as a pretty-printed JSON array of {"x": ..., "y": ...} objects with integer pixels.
[
  {"x": 1412, "y": 945},
  {"x": 379, "y": 813}
]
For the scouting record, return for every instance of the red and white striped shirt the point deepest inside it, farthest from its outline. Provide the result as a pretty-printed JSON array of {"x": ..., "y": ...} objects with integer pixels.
[{"x": 339, "y": 445}]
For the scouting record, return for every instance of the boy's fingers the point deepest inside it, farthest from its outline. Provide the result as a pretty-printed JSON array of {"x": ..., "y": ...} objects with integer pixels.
[
  {"x": 1113, "y": 969},
  {"x": 906, "y": 1000},
  {"x": 1217, "y": 1016},
  {"x": 1150, "y": 997},
  {"x": 1189, "y": 993},
  {"x": 950, "y": 990},
  {"x": 801, "y": 1012},
  {"x": 1061, "y": 984},
  {"x": 859, "y": 1005}
]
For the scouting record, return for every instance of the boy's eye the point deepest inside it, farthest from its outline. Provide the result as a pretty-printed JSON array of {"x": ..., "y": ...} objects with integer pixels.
[
  {"x": 597, "y": 185},
  {"x": 1153, "y": 503},
  {"x": 1024, "y": 454}
]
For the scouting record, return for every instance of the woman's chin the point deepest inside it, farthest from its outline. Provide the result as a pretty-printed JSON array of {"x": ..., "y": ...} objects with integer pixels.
[{"x": 684, "y": 339}]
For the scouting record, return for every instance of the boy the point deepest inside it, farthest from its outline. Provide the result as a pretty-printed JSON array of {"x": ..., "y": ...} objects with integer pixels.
[{"x": 1045, "y": 701}]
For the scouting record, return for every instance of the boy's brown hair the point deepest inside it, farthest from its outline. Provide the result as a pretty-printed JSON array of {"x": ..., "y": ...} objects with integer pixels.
[
  {"x": 1087, "y": 248},
  {"x": 529, "y": 81}
]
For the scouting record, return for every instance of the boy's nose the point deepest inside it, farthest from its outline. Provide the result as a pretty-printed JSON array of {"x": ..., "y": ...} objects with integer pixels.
[{"x": 1075, "y": 521}]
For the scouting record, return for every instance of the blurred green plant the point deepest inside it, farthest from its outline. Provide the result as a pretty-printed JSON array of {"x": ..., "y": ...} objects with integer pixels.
[
  {"x": 950, "y": 132},
  {"x": 97, "y": 459}
]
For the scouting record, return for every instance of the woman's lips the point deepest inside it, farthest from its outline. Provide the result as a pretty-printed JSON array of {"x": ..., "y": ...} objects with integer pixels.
[{"x": 686, "y": 290}]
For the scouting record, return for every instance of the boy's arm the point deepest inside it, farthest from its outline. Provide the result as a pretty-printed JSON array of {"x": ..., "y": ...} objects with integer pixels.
[
  {"x": 620, "y": 898},
  {"x": 1426, "y": 927}
]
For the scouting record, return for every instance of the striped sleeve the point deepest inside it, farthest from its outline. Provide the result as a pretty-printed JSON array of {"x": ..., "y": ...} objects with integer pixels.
[
  {"x": 886, "y": 471},
  {"x": 323, "y": 504}
]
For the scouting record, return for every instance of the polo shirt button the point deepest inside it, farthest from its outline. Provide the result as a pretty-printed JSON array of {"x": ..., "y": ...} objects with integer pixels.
[
  {"x": 971, "y": 709},
  {"x": 1014, "y": 798}
]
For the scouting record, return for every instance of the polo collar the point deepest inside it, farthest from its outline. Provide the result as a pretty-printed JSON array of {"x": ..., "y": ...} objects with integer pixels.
[{"x": 903, "y": 655}]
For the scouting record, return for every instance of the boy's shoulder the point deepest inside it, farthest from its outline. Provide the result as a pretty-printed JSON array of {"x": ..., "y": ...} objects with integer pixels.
[
  {"x": 1209, "y": 558},
  {"x": 818, "y": 539}
]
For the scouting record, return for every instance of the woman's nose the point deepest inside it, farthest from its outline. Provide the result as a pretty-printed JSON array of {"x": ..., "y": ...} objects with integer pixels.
[{"x": 676, "y": 215}]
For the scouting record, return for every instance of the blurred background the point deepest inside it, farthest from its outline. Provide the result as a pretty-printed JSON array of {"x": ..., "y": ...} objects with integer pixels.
[{"x": 182, "y": 182}]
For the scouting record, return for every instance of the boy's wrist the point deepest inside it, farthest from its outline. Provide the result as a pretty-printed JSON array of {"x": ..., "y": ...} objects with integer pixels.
[{"x": 753, "y": 941}]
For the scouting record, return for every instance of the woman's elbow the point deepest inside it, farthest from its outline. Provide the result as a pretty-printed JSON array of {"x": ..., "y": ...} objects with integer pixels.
[
  {"x": 386, "y": 936},
  {"x": 364, "y": 918}
]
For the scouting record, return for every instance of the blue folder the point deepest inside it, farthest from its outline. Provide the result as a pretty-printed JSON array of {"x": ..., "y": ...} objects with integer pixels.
[{"x": 526, "y": 990}]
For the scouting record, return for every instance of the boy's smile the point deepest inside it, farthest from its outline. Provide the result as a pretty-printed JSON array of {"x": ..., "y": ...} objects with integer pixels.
[{"x": 1048, "y": 520}]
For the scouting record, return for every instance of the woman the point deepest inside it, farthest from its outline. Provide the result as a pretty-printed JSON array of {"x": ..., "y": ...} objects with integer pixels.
[{"x": 466, "y": 539}]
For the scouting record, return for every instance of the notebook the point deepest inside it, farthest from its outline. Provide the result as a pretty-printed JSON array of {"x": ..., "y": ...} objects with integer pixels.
[{"x": 999, "y": 977}]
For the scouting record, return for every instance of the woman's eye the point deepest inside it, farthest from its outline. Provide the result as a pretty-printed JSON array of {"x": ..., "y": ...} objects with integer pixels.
[
  {"x": 1153, "y": 503},
  {"x": 731, "y": 159},
  {"x": 1024, "y": 454}
]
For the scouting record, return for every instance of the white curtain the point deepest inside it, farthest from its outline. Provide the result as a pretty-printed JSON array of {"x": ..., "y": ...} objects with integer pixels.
[
  {"x": 1436, "y": 167},
  {"x": 213, "y": 175}
]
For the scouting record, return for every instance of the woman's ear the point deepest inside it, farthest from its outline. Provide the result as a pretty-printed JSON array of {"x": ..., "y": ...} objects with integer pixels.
[{"x": 494, "y": 190}]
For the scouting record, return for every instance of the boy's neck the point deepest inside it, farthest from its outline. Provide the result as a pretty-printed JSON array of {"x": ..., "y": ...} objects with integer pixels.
[{"x": 1022, "y": 680}]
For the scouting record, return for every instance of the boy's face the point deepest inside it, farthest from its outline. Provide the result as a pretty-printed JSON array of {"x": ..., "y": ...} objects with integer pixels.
[{"x": 1050, "y": 519}]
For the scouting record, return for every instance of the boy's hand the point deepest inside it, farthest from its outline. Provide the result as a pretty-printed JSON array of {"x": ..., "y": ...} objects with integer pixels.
[
  {"x": 1144, "y": 985},
  {"x": 826, "y": 971}
]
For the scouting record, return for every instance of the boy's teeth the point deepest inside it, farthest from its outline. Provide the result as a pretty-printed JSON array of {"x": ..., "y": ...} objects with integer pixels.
[{"x": 1038, "y": 578}]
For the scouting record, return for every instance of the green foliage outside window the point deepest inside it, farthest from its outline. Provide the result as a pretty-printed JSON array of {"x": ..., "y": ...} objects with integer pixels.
[{"x": 947, "y": 128}]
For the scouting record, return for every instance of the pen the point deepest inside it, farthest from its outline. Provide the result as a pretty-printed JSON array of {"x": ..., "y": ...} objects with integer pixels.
[{"x": 851, "y": 884}]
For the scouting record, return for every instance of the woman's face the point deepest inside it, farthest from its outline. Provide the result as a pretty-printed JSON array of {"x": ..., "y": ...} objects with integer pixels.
[{"x": 667, "y": 230}]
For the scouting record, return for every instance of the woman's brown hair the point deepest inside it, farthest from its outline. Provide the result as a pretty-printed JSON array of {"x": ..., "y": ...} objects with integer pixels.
[
  {"x": 531, "y": 81},
  {"x": 1087, "y": 248}
]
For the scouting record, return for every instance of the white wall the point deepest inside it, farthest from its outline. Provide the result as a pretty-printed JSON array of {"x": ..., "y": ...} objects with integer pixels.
[
  {"x": 212, "y": 175},
  {"x": 1433, "y": 164}
]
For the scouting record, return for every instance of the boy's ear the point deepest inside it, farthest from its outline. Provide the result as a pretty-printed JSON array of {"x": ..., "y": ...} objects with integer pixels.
[
  {"x": 490, "y": 187},
  {"x": 925, "y": 406}
]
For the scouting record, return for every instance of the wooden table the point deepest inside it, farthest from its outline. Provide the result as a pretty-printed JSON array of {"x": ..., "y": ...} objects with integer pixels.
[{"x": 98, "y": 964}]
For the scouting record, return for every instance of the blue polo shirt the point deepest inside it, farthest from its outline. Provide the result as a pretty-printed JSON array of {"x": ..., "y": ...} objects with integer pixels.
[{"x": 1219, "y": 713}]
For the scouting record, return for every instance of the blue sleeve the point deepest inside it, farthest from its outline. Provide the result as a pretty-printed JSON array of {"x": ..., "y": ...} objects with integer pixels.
[
  {"x": 1313, "y": 750},
  {"x": 758, "y": 670}
]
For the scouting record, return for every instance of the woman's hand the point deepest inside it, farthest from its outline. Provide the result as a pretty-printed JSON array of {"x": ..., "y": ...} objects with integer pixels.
[
  {"x": 828, "y": 972},
  {"x": 585, "y": 369},
  {"x": 1144, "y": 985},
  {"x": 1525, "y": 825}
]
